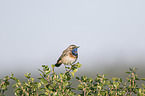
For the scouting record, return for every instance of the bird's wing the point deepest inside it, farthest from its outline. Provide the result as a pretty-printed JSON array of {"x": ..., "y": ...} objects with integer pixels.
[{"x": 65, "y": 52}]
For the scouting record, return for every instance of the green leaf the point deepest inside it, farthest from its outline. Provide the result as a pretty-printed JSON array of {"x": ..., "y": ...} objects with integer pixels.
[
  {"x": 99, "y": 76},
  {"x": 52, "y": 66},
  {"x": 91, "y": 80},
  {"x": 15, "y": 85},
  {"x": 32, "y": 79},
  {"x": 50, "y": 87},
  {"x": 143, "y": 79},
  {"x": 78, "y": 78},
  {"x": 80, "y": 87},
  {"x": 114, "y": 79},
  {"x": 72, "y": 74},
  {"x": 78, "y": 65},
  {"x": 134, "y": 68},
  {"x": 48, "y": 71},
  {"x": 40, "y": 70},
  {"x": 137, "y": 79},
  {"x": 105, "y": 75},
  {"x": 44, "y": 81},
  {"x": 67, "y": 67},
  {"x": 46, "y": 93},
  {"x": 130, "y": 69},
  {"x": 4, "y": 87},
  {"x": 105, "y": 79},
  {"x": 83, "y": 78},
  {"x": 65, "y": 83},
  {"x": 38, "y": 84},
  {"x": 61, "y": 75},
  {"x": 128, "y": 72},
  {"x": 116, "y": 84},
  {"x": 120, "y": 80},
  {"x": 143, "y": 85},
  {"x": 12, "y": 74},
  {"x": 27, "y": 75},
  {"x": 75, "y": 70},
  {"x": 17, "y": 80}
]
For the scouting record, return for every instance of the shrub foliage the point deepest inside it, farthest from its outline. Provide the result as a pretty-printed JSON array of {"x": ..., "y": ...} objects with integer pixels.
[{"x": 52, "y": 84}]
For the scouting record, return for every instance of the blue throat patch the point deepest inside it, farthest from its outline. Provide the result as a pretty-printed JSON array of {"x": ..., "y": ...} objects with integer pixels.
[{"x": 74, "y": 51}]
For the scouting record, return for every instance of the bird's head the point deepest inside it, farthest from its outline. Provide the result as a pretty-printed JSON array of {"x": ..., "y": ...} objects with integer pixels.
[{"x": 71, "y": 47}]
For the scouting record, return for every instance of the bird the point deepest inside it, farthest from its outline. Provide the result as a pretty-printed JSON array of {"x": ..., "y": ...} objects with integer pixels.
[{"x": 68, "y": 56}]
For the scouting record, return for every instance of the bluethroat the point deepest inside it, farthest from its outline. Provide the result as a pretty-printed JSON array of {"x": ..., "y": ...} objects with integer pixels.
[{"x": 69, "y": 56}]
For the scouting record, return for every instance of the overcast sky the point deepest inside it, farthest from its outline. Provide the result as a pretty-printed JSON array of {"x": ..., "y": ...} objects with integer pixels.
[{"x": 35, "y": 32}]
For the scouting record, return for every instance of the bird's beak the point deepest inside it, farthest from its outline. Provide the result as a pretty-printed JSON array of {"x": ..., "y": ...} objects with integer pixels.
[{"x": 78, "y": 46}]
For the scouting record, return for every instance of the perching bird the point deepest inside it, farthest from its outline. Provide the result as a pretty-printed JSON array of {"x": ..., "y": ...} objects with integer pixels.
[{"x": 69, "y": 56}]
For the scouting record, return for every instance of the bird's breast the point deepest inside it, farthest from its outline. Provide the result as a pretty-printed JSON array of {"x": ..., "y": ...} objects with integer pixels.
[{"x": 69, "y": 59}]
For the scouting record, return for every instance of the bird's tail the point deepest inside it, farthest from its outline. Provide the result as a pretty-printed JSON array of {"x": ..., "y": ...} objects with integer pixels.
[{"x": 57, "y": 64}]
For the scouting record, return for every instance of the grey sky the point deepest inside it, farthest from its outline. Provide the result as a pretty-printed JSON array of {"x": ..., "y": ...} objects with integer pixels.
[{"x": 35, "y": 32}]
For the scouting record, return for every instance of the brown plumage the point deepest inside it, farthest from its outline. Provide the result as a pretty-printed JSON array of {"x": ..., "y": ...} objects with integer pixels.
[{"x": 68, "y": 57}]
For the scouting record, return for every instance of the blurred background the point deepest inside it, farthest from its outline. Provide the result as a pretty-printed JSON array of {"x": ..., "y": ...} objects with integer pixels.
[{"x": 110, "y": 33}]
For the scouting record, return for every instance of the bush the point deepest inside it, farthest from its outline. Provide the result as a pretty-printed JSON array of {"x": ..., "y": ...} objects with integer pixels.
[{"x": 52, "y": 84}]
